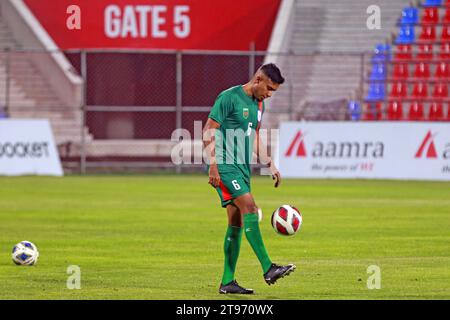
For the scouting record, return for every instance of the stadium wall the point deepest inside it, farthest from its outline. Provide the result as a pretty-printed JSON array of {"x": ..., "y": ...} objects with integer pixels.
[
  {"x": 51, "y": 63},
  {"x": 281, "y": 32}
]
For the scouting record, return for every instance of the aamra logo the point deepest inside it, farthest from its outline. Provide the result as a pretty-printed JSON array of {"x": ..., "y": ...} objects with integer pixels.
[
  {"x": 338, "y": 149},
  {"x": 427, "y": 147},
  {"x": 298, "y": 141}
]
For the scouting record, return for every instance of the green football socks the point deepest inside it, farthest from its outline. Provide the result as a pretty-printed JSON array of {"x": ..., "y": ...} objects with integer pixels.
[
  {"x": 253, "y": 234},
  {"x": 232, "y": 246}
]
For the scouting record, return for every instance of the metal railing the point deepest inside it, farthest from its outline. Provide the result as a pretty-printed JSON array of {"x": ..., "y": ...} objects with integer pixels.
[{"x": 132, "y": 100}]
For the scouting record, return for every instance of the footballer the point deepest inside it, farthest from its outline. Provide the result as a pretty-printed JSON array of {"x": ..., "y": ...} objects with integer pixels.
[{"x": 231, "y": 133}]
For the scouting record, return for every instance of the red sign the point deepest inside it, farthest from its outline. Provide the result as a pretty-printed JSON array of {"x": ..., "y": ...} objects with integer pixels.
[{"x": 162, "y": 24}]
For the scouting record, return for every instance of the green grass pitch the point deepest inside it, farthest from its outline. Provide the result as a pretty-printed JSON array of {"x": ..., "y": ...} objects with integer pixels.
[{"x": 161, "y": 237}]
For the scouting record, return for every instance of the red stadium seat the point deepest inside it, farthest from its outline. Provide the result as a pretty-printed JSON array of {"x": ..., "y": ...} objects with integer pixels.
[
  {"x": 422, "y": 70},
  {"x": 442, "y": 70},
  {"x": 446, "y": 18},
  {"x": 440, "y": 91},
  {"x": 445, "y": 35},
  {"x": 399, "y": 90},
  {"x": 425, "y": 52},
  {"x": 415, "y": 112},
  {"x": 420, "y": 90},
  {"x": 428, "y": 33},
  {"x": 445, "y": 51},
  {"x": 436, "y": 112},
  {"x": 403, "y": 52},
  {"x": 373, "y": 111},
  {"x": 430, "y": 15},
  {"x": 400, "y": 71},
  {"x": 395, "y": 111}
]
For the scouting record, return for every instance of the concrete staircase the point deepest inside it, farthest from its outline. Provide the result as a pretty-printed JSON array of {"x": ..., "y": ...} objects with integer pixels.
[
  {"x": 30, "y": 95},
  {"x": 329, "y": 39}
]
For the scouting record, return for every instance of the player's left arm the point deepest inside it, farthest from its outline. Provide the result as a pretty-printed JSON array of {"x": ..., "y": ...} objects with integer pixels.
[{"x": 264, "y": 158}]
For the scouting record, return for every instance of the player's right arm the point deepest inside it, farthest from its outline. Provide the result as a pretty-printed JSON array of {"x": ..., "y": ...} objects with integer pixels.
[
  {"x": 209, "y": 143},
  {"x": 221, "y": 109}
]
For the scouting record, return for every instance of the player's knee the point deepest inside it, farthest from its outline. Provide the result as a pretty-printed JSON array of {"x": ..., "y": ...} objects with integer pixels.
[
  {"x": 251, "y": 208},
  {"x": 235, "y": 220},
  {"x": 235, "y": 223},
  {"x": 234, "y": 216}
]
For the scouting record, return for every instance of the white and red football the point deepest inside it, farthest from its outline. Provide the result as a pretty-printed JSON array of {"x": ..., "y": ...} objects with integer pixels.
[{"x": 287, "y": 220}]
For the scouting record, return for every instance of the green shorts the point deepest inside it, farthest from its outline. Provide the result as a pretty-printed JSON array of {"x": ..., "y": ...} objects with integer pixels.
[{"x": 232, "y": 185}]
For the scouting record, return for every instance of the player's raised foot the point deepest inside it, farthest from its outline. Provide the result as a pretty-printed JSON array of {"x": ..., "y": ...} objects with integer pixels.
[
  {"x": 276, "y": 272},
  {"x": 234, "y": 288}
]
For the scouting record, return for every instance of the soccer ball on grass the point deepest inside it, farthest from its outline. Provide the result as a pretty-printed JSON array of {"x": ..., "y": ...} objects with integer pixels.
[{"x": 25, "y": 253}]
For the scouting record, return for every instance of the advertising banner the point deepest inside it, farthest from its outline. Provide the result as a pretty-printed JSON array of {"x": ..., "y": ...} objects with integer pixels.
[
  {"x": 157, "y": 24},
  {"x": 383, "y": 150},
  {"x": 27, "y": 147}
]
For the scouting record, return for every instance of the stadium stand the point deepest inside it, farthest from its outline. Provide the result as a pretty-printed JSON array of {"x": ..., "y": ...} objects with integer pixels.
[
  {"x": 340, "y": 69},
  {"x": 41, "y": 84},
  {"x": 323, "y": 34},
  {"x": 409, "y": 67},
  {"x": 416, "y": 70}
]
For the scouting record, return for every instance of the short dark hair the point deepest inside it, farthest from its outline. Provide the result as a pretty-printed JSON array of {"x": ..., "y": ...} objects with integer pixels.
[{"x": 272, "y": 71}]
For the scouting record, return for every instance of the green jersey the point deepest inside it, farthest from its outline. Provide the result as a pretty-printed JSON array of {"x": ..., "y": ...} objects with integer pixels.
[{"x": 239, "y": 116}]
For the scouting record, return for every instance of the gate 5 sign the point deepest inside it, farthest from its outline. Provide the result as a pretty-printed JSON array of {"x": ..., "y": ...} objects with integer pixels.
[{"x": 157, "y": 24}]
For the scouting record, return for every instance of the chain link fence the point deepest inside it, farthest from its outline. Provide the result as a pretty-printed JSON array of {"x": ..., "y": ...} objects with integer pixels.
[{"x": 132, "y": 101}]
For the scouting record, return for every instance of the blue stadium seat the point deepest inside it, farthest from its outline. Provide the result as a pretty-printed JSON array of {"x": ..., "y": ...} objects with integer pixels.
[
  {"x": 376, "y": 92},
  {"x": 410, "y": 15},
  {"x": 382, "y": 53},
  {"x": 354, "y": 109},
  {"x": 406, "y": 35},
  {"x": 378, "y": 71},
  {"x": 432, "y": 3}
]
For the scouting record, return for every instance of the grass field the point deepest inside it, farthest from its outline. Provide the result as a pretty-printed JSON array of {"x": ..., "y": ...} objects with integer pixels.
[{"x": 161, "y": 237}]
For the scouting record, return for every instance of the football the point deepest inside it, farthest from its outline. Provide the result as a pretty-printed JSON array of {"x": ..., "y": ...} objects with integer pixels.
[
  {"x": 25, "y": 253},
  {"x": 286, "y": 220}
]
